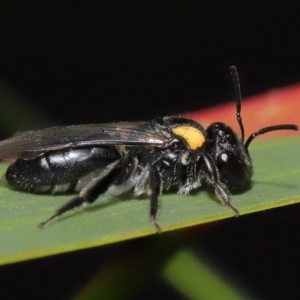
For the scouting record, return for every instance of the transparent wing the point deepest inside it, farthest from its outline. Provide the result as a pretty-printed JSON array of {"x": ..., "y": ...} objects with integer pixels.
[{"x": 33, "y": 143}]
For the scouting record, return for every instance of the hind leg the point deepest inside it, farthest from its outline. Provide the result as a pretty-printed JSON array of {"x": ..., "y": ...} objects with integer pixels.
[{"x": 93, "y": 190}]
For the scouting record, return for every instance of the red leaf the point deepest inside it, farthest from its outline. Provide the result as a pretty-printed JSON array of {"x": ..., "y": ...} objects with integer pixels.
[{"x": 278, "y": 106}]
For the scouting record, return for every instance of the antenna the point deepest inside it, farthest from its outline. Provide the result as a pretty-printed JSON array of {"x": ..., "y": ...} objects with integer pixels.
[
  {"x": 268, "y": 129},
  {"x": 237, "y": 96}
]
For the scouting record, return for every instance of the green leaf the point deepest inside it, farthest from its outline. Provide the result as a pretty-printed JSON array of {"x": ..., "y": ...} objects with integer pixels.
[
  {"x": 109, "y": 220},
  {"x": 195, "y": 279}
]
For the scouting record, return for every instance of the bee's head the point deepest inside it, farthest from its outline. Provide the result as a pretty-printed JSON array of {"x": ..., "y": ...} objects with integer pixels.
[{"x": 229, "y": 154}]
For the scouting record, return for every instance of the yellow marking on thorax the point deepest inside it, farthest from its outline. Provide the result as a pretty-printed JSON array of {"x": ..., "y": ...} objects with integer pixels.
[{"x": 193, "y": 136}]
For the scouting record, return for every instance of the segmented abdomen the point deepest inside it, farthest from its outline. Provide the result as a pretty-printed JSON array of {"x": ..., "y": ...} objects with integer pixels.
[{"x": 59, "y": 171}]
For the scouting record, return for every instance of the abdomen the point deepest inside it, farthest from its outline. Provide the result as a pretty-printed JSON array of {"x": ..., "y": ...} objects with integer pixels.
[{"x": 60, "y": 171}]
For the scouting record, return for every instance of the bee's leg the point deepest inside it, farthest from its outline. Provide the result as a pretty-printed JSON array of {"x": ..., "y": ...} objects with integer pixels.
[
  {"x": 93, "y": 190},
  {"x": 154, "y": 192},
  {"x": 214, "y": 179}
]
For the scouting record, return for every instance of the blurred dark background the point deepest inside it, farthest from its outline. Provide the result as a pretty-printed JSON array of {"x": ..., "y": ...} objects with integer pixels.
[
  {"x": 105, "y": 61},
  {"x": 102, "y": 61}
]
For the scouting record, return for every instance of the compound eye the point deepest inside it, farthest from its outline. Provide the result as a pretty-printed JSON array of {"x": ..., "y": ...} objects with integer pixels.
[{"x": 232, "y": 171}]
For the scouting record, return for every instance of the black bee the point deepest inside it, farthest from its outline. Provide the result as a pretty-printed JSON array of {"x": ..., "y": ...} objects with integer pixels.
[{"x": 148, "y": 157}]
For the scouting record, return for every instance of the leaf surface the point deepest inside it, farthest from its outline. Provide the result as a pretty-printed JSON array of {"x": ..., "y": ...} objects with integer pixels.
[{"x": 109, "y": 220}]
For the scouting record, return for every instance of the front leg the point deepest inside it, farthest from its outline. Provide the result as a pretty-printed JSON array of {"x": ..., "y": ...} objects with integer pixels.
[{"x": 214, "y": 179}]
